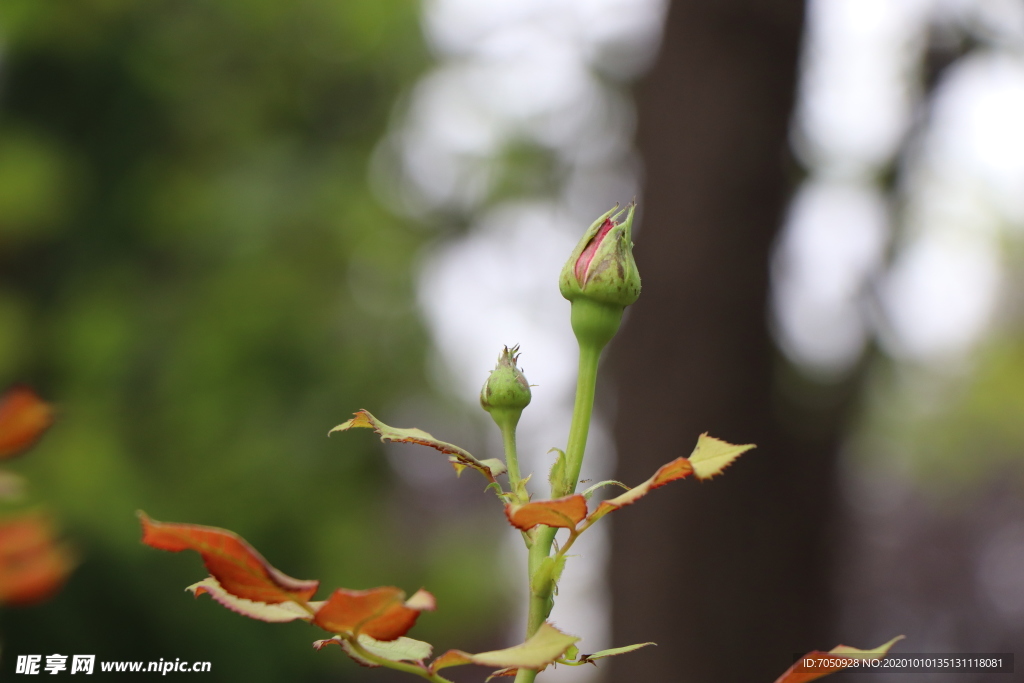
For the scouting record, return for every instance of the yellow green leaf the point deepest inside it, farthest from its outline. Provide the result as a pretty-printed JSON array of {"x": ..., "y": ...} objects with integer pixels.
[
  {"x": 711, "y": 456},
  {"x": 541, "y": 649},
  {"x": 458, "y": 457},
  {"x": 401, "y": 649},
  {"x": 278, "y": 612}
]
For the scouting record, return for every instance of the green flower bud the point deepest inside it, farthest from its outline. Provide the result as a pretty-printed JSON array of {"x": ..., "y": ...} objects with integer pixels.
[
  {"x": 601, "y": 267},
  {"x": 506, "y": 391},
  {"x": 601, "y": 277}
]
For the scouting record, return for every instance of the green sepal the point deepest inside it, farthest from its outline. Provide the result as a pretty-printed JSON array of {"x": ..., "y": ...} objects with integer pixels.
[
  {"x": 545, "y": 579},
  {"x": 556, "y": 477}
]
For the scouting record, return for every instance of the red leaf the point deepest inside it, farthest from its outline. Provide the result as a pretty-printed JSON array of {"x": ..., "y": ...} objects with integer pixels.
[
  {"x": 33, "y": 565},
  {"x": 236, "y": 565},
  {"x": 564, "y": 512},
  {"x": 677, "y": 469},
  {"x": 23, "y": 419},
  {"x": 826, "y": 663},
  {"x": 381, "y": 613}
]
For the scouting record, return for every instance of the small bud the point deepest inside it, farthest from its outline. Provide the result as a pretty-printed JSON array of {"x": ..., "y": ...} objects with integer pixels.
[
  {"x": 601, "y": 277},
  {"x": 506, "y": 389}
]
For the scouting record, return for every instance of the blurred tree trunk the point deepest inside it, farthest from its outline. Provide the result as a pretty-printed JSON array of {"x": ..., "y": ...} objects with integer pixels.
[{"x": 730, "y": 577}]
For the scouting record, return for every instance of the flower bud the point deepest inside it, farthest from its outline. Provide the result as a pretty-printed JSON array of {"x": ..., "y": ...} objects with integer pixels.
[
  {"x": 601, "y": 267},
  {"x": 601, "y": 278},
  {"x": 506, "y": 390}
]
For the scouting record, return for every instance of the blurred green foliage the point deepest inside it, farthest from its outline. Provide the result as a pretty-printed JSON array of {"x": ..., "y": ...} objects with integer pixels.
[
  {"x": 954, "y": 430},
  {"x": 193, "y": 269}
]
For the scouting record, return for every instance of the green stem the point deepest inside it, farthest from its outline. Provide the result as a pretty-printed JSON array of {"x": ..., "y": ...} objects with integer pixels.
[
  {"x": 526, "y": 676},
  {"x": 586, "y": 383},
  {"x": 540, "y": 600},
  {"x": 540, "y": 596},
  {"x": 507, "y": 424}
]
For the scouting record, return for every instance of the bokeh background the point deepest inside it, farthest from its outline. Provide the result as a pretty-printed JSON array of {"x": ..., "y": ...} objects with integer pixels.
[{"x": 224, "y": 226}]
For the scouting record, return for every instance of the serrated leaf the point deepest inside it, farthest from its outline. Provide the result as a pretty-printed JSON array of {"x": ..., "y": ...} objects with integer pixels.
[
  {"x": 381, "y": 613},
  {"x": 460, "y": 458},
  {"x": 501, "y": 673},
  {"x": 609, "y": 482},
  {"x": 677, "y": 469},
  {"x": 238, "y": 568},
  {"x": 398, "y": 650},
  {"x": 495, "y": 466},
  {"x": 544, "y": 647},
  {"x": 33, "y": 564},
  {"x": 275, "y": 613},
  {"x": 711, "y": 456},
  {"x": 799, "y": 673},
  {"x": 612, "y": 652},
  {"x": 23, "y": 419},
  {"x": 564, "y": 513}
]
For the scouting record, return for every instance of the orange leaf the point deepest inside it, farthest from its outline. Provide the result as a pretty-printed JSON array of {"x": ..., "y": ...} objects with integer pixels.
[
  {"x": 510, "y": 671},
  {"x": 33, "y": 566},
  {"x": 381, "y": 613},
  {"x": 677, "y": 469},
  {"x": 564, "y": 512},
  {"x": 825, "y": 663},
  {"x": 23, "y": 419},
  {"x": 451, "y": 658},
  {"x": 236, "y": 565}
]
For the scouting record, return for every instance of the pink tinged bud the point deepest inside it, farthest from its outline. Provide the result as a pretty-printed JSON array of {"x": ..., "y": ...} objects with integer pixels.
[
  {"x": 583, "y": 262},
  {"x": 600, "y": 278},
  {"x": 601, "y": 268}
]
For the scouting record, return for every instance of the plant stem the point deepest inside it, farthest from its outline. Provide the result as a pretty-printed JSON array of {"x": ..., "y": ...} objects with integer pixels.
[
  {"x": 507, "y": 425},
  {"x": 526, "y": 676},
  {"x": 586, "y": 383}
]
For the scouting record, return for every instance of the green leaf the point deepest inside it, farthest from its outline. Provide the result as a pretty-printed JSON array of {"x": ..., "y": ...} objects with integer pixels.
[
  {"x": 458, "y": 457},
  {"x": 399, "y": 650},
  {"x": 710, "y": 456},
  {"x": 541, "y": 649},
  {"x": 612, "y": 652}
]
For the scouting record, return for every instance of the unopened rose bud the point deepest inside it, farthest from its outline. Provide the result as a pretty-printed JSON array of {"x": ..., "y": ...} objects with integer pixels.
[
  {"x": 506, "y": 390},
  {"x": 601, "y": 277}
]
